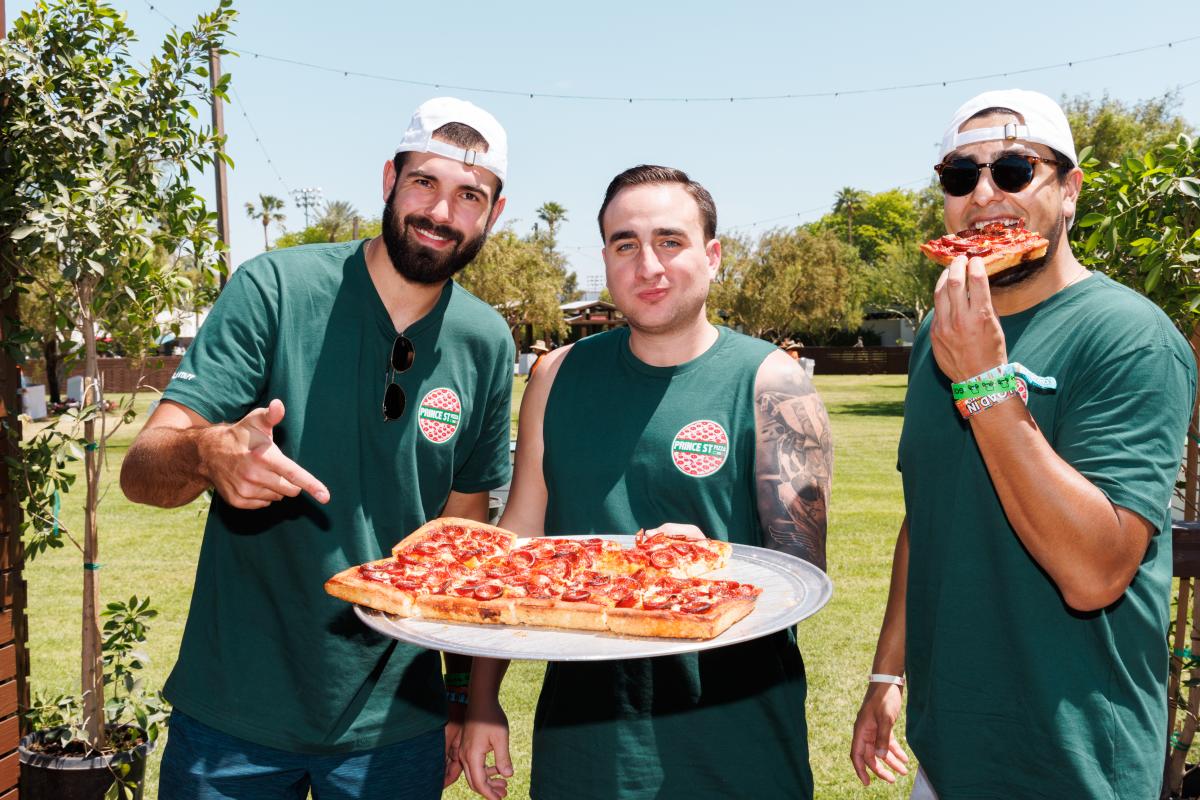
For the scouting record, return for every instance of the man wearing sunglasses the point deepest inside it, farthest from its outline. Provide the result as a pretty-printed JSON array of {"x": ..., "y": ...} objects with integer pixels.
[
  {"x": 1030, "y": 586},
  {"x": 337, "y": 397},
  {"x": 607, "y": 429}
]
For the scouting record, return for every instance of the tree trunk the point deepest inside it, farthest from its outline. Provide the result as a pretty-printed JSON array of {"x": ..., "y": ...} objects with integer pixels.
[
  {"x": 266, "y": 244},
  {"x": 92, "y": 673},
  {"x": 50, "y": 355}
]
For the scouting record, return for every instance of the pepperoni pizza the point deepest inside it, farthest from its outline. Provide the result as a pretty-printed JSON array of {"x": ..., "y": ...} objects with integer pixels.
[
  {"x": 1000, "y": 246},
  {"x": 464, "y": 571}
]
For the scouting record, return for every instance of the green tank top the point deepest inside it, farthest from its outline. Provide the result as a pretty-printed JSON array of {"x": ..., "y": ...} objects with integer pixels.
[{"x": 628, "y": 446}]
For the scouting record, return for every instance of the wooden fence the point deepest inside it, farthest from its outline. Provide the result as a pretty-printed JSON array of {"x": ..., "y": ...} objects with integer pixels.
[
  {"x": 117, "y": 374},
  {"x": 858, "y": 360}
]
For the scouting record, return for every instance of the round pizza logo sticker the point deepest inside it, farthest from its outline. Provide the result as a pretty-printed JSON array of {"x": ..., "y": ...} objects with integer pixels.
[
  {"x": 700, "y": 448},
  {"x": 439, "y": 415}
]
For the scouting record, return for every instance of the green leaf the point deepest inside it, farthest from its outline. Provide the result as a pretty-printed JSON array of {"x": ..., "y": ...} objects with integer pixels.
[
  {"x": 1190, "y": 187},
  {"x": 1152, "y": 277},
  {"x": 1091, "y": 218},
  {"x": 21, "y": 232}
]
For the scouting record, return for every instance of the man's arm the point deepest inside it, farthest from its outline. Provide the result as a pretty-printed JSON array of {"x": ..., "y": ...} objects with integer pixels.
[
  {"x": 874, "y": 729},
  {"x": 1090, "y": 547},
  {"x": 525, "y": 513},
  {"x": 794, "y": 462},
  {"x": 179, "y": 454}
]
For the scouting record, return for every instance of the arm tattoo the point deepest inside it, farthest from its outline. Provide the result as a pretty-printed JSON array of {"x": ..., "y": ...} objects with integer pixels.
[{"x": 794, "y": 464}]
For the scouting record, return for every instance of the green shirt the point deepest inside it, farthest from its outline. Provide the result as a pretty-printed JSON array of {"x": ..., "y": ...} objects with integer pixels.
[
  {"x": 1011, "y": 693},
  {"x": 628, "y": 446},
  {"x": 268, "y": 656}
]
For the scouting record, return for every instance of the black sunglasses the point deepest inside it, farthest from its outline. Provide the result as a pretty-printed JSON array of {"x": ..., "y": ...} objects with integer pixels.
[
  {"x": 1011, "y": 173},
  {"x": 401, "y": 359}
]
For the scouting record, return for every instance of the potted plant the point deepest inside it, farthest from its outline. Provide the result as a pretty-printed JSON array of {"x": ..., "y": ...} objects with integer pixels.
[
  {"x": 56, "y": 761},
  {"x": 98, "y": 214}
]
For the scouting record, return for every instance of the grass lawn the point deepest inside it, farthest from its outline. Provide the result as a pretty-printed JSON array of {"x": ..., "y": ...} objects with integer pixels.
[{"x": 153, "y": 551}]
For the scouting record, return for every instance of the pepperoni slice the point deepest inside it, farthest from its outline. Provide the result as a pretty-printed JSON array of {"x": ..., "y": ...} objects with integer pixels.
[
  {"x": 663, "y": 559},
  {"x": 595, "y": 579},
  {"x": 488, "y": 591},
  {"x": 466, "y": 591},
  {"x": 652, "y": 603},
  {"x": 576, "y": 595},
  {"x": 408, "y": 584},
  {"x": 746, "y": 590},
  {"x": 696, "y": 607},
  {"x": 683, "y": 549},
  {"x": 522, "y": 558},
  {"x": 626, "y": 600}
]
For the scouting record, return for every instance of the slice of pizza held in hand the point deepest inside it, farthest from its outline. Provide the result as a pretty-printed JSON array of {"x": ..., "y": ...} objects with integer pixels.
[{"x": 1001, "y": 245}]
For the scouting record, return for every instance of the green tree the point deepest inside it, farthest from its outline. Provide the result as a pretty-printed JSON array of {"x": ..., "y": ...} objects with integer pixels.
[
  {"x": 314, "y": 234},
  {"x": 1139, "y": 222},
  {"x": 97, "y": 156},
  {"x": 515, "y": 277},
  {"x": 336, "y": 220},
  {"x": 790, "y": 281},
  {"x": 847, "y": 201},
  {"x": 553, "y": 215},
  {"x": 1114, "y": 130},
  {"x": 268, "y": 211}
]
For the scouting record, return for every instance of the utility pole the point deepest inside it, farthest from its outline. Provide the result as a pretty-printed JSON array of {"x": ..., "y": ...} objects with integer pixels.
[
  {"x": 218, "y": 121},
  {"x": 306, "y": 198}
]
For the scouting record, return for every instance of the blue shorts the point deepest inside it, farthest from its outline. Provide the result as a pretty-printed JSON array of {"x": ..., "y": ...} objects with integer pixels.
[{"x": 200, "y": 763}]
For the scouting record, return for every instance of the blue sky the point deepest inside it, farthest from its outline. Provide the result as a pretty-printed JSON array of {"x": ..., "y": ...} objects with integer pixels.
[{"x": 766, "y": 162}]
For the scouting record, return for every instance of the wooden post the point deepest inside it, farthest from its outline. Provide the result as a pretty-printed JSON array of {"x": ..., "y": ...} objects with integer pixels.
[
  {"x": 218, "y": 121},
  {"x": 14, "y": 630}
]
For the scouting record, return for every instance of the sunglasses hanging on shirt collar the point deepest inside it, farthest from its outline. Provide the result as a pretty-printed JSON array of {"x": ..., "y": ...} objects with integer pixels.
[{"x": 400, "y": 360}]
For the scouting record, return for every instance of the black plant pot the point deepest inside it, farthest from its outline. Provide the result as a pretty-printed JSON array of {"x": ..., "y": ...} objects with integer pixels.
[{"x": 46, "y": 777}]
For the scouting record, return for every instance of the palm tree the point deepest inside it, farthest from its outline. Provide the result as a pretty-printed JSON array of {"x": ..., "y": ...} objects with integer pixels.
[
  {"x": 270, "y": 209},
  {"x": 337, "y": 214},
  {"x": 847, "y": 201},
  {"x": 552, "y": 214}
]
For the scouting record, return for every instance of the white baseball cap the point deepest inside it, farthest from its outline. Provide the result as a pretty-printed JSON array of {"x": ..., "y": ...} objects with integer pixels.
[
  {"x": 1044, "y": 122},
  {"x": 433, "y": 114}
]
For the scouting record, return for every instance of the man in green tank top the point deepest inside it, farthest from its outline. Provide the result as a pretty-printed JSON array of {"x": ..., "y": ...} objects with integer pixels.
[
  {"x": 1031, "y": 582},
  {"x": 337, "y": 397},
  {"x": 606, "y": 447}
]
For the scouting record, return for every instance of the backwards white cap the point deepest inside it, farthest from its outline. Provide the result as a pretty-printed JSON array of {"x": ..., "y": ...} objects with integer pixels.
[
  {"x": 1044, "y": 122},
  {"x": 433, "y": 114}
]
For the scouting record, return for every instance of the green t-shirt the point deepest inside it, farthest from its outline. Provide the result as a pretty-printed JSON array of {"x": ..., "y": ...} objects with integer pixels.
[
  {"x": 267, "y": 655},
  {"x": 1011, "y": 693},
  {"x": 628, "y": 446}
]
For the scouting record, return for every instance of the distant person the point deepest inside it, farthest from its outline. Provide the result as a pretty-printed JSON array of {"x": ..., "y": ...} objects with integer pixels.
[
  {"x": 859, "y": 342},
  {"x": 1031, "y": 581},
  {"x": 540, "y": 349},
  {"x": 723, "y": 723},
  {"x": 396, "y": 384}
]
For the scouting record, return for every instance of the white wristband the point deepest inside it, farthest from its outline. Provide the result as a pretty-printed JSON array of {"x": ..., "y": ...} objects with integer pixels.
[{"x": 876, "y": 677}]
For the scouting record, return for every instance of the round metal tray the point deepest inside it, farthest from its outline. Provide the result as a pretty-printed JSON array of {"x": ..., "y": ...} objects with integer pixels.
[{"x": 792, "y": 588}]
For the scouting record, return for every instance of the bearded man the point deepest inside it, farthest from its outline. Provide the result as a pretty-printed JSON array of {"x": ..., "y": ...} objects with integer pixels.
[{"x": 396, "y": 384}]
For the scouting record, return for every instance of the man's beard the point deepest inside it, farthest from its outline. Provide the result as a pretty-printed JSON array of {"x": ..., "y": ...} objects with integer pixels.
[
  {"x": 422, "y": 264},
  {"x": 1028, "y": 269}
]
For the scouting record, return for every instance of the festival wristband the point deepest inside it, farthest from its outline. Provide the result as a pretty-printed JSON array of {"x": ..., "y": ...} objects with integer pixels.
[
  {"x": 999, "y": 379},
  {"x": 970, "y": 406},
  {"x": 994, "y": 386},
  {"x": 457, "y": 697},
  {"x": 878, "y": 677}
]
